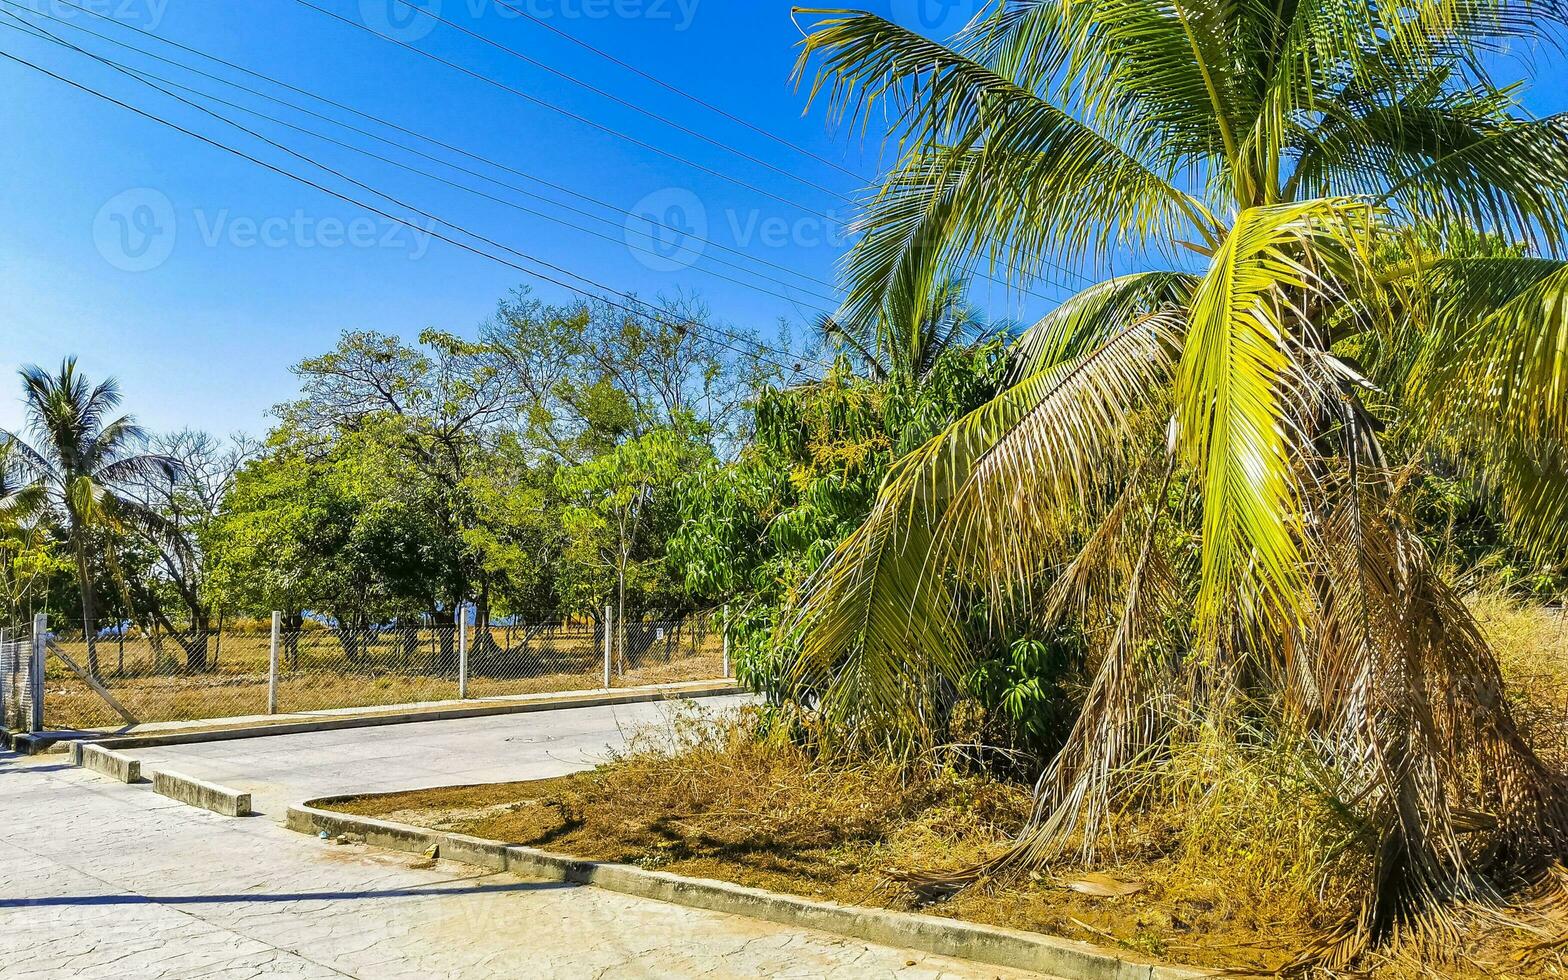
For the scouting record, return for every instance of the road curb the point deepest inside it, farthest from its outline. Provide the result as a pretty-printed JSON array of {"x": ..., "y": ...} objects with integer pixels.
[
  {"x": 106, "y": 762},
  {"x": 200, "y": 793},
  {"x": 991, "y": 945},
  {"x": 37, "y": 742}
]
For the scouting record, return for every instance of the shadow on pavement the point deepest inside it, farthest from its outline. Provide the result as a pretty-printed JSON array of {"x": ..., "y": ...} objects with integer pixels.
[{"x": 90, "y": 900}]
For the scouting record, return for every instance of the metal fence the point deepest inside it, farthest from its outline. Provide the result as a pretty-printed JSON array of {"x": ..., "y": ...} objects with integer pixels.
[
  {"x": 118, "y": 674},
  {"x": 19, "y": 682}
]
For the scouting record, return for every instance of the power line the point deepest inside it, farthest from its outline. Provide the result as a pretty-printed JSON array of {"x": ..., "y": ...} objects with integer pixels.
[
  {"x": 808, "y": 209},
  {"x": 751, "y": 350},
  {"x": 627, "y": 103},
  {"x": 450, "y": 183},
  {"x": 535, "y": 100},
  {"x": 972, "y": 272},
  {"x": 533, "y": 178},
  {"x": 677, "y": 90}
]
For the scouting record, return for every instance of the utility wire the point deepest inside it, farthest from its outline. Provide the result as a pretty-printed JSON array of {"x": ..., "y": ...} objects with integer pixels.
[
  {"x": 574, "y": 39},
  {"x": 808, "y": 209},
  {"x": 535, "y": 100},
  {"x": 972, "y": 272},
  {"x": 533, "y": 178},
  {"x": 752, "y": 348},
  {"x": 626, "y": 103}
]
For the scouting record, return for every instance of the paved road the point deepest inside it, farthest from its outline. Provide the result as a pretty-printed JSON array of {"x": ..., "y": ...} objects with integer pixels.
[
  {"x": 284, "y": 769},
  {"x": 99, "y": 879}
]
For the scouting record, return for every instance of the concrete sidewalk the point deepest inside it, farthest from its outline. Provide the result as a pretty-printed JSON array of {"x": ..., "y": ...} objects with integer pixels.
[
  {"x": 99, "y": 879},
  {"x": 111, "y": 881}
]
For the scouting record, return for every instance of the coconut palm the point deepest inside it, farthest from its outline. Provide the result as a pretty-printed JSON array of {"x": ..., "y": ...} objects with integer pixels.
[
  {"x": 1268, "y": 162},
  {"x": 904, "y": 338},
  {"x": 82, "y": 461}
]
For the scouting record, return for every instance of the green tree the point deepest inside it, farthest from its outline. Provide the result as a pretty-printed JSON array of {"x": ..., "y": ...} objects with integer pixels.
[
  {"x": 753, "y": 530},
  {"x": 903, "y": 341},
  {"x": 83, "y": 460},
  {"x": 1257, "y": 156},
  {"x": 619, "y": 512},
  {"x": 28, "y": 555}
]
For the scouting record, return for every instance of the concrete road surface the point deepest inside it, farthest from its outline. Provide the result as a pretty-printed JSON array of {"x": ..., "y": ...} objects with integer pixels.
[{"x": 99, "y": 879}]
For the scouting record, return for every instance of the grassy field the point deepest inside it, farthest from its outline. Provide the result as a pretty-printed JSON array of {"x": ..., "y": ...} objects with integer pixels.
[
  {"x": 318, "y": 672},
  {"x": 1241, "y": 875}
]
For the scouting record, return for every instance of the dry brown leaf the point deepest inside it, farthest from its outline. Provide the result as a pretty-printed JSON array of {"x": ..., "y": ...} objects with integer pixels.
[{"x": 1104, "y": 886}]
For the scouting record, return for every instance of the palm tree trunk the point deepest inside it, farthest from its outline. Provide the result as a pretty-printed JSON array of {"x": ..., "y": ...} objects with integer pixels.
[{"x": 89, "y": 603}]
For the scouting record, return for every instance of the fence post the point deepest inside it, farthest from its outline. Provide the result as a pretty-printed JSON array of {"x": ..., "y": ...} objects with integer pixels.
[
  {"x": 272, "y": 664},
  {"x": 7, "y": 692},
  {"x": 609, "y": 641},
  {"x": 726, "y": 641},
  {"x": 462, "y": 651},
  {"x": 35, "y": 673}
]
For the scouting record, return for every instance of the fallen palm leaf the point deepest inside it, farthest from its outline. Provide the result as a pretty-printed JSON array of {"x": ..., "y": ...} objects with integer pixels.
[{"x": 1104, "y": 886}]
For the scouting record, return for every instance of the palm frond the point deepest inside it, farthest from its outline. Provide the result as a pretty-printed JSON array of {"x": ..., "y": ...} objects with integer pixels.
[{"x": 1236, "y": 392}]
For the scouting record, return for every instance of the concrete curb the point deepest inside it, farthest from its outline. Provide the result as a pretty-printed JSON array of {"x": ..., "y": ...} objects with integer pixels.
[
  {"x": 196, "y": 792},
  {"x": 992, "y": 945},
  {"x": 107, "y": 762},
  {"x": 37, "y": 742}
]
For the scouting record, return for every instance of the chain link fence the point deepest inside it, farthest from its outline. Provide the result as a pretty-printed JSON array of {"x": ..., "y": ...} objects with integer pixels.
[
  {"x": 18, "y": 682},
  {"x": 120, "y": 671}
]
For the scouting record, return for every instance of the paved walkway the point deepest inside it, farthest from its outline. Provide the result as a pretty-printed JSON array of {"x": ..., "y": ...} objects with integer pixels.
[{"x": 99, "y": 879}]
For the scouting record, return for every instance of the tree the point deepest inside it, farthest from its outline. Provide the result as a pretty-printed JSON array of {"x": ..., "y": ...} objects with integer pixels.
[
  {"x": 615, "y": 502},
  {"x": 189, "y": 504},
  {"x": 1200, "y": 415},
  {"x": 904, "y": 341},
  {"x": 83, "y": 461},
  {"x": 435, "y": 408},
  {"x": 27, "y": 552}
]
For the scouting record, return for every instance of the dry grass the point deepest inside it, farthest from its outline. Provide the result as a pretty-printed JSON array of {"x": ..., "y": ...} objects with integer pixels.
[{"x": 1243, "y": 858}]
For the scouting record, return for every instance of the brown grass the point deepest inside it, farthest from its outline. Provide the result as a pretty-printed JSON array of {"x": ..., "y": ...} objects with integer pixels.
[{"x": 1243, "y": 861}]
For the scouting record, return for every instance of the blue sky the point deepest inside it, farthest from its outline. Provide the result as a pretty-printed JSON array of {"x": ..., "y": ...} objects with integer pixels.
[{"x": 202, "y": 323}]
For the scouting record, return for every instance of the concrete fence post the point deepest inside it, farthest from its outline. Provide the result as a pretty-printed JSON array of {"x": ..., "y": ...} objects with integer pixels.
[
  {"x": 609, "y": 642},
  {"x": 272, "y": 663},
  {"x": 726, "y": 641},
  {"x": 35, "y": 673},
  {"x": 462, "y": 651}
]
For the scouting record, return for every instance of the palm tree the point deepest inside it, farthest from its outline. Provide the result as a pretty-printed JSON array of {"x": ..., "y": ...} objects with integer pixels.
[
  {"x": 80, "y": 460},
  {"x": 904, "y": 337},
  {"x": 1265, "y": 159}
]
